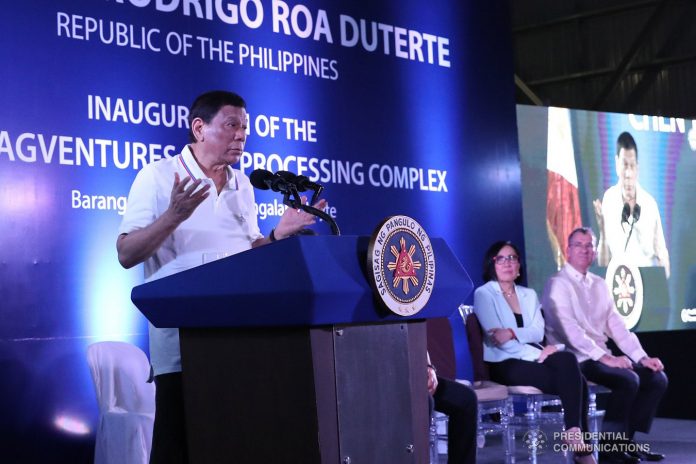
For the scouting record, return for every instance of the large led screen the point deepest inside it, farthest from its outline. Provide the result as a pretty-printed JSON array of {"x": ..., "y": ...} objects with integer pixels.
[{"x": 631, "y": 179}]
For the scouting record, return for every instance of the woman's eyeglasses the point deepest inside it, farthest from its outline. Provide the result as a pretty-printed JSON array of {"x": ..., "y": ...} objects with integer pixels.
[{"x": 506, "y": 259}]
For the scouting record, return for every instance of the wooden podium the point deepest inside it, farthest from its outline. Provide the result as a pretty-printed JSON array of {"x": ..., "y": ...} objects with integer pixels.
[{"x": 288, "y": 358}]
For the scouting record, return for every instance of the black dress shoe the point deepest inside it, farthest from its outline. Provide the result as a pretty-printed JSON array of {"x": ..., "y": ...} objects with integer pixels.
[
  {"x": 617, "y": 457},
  {"x": 647, "y": 455}
]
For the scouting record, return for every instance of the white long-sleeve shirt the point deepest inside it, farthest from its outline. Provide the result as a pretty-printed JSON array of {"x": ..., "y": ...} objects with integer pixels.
[{"x": 580, "y": 313}]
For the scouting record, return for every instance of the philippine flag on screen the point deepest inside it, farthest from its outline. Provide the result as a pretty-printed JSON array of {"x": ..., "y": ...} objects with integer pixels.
[{"x": 562, "y": 200}]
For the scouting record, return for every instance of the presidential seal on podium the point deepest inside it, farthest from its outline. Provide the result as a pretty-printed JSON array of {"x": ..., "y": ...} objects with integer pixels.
[
  {"x": 626, "y": 288},
  {"x": 401, "y": 265}
]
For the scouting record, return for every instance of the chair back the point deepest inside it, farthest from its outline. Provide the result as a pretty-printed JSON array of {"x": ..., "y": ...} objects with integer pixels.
[
  {"x": 462, "y": 357},
  {"x": 120, "y": 372},
  {"x": 441, "y": 347},
  {"x": 474, "y": 333}
]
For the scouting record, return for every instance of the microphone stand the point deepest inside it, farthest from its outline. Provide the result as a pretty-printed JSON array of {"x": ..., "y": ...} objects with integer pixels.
[
  {"x": 317, "y": 192},
  {"x": 291, "y": 198},
  {"x": 630, "y": 231}
]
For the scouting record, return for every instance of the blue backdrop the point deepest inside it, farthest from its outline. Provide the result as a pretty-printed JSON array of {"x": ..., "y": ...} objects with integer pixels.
[{"x": 395, "y": 107}]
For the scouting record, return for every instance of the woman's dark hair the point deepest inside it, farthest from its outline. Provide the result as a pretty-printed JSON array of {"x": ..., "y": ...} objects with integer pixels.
[{"x": 489, "y": 264}]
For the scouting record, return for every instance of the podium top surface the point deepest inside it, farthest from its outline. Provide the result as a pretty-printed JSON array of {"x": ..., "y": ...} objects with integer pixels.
[{"x": 299, "y": 281}]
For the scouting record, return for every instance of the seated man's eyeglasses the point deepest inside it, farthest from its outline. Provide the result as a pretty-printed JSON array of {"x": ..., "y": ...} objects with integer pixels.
[
  {"x": 587, "y": 246},
  {"x": 505, "y": 259}
]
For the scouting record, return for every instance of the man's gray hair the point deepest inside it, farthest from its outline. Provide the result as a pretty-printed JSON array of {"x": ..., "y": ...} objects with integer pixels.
[{"x": 582, "y": 230}]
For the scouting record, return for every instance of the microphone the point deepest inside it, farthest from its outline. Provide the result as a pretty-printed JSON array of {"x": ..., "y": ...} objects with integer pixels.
[
  {"x": 302, "y": 184},
  {"x": 261, "y": 179},
  {"x": 264, "y": 180},
  {"x": 289, "y": 184},
  {"x": 287, "y": 177},
  {"x": 636, "y": 216},
  {"x": 625, "y": 213}
]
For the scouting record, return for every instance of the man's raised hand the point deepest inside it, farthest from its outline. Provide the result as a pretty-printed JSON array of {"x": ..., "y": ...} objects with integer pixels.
[{"x": 185, "y": 199}]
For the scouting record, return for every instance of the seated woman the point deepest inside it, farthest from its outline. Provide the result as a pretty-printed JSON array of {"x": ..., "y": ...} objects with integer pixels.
[{"x": 511, "y": 318}]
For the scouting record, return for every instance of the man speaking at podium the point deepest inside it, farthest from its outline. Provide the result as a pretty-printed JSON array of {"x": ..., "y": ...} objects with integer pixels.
[
  {"x": 628, "y": 217},
  {"x": 180, "y": 209}
]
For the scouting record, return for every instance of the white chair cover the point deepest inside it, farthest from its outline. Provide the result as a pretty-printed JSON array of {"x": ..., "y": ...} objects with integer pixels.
[{"x": 126, "y": 403}]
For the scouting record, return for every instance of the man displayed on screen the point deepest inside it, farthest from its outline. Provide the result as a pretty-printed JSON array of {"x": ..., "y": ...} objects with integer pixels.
[{"x": 628, "y": 218}]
